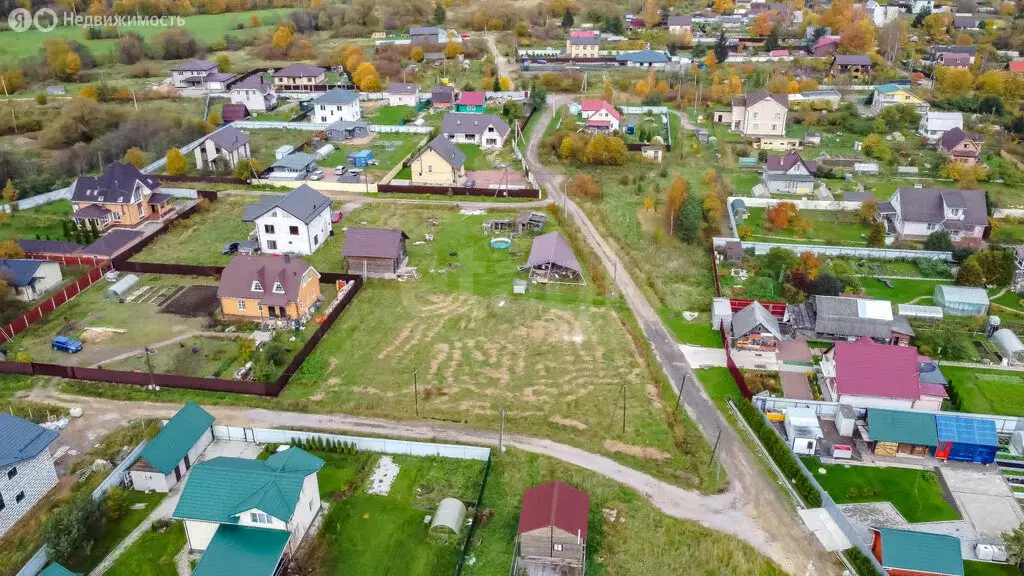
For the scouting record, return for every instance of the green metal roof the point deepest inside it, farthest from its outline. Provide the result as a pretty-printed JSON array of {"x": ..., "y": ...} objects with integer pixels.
[
  {"x": 56, "y": 569},
  {"x": 907, "y": 427},
  {"x": 922, "y": 552},
  {"x": 177, "y": 437},
  {"x": 220, "y": 489},
  {"x": 887, "y": 88},
  {"x": 241, "y": 550}
]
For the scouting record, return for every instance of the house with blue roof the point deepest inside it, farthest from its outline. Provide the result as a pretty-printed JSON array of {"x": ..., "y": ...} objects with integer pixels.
[
  {"x": 643, "y": 59},
  {"x": 244, "y": 515},
  {"x": 29, "y": 279},
  {"x": 26, "y": 468},
  {"x": 174, "y": 450}
]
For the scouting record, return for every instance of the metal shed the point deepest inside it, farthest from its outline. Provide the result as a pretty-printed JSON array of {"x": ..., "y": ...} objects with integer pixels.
[
  {"x": 451, "y": 514},
  {"x": 1009, "y": 346},
  {"x": 966, "y": 439},
  {"x": 122, "y": 288},
  {"x": 961, "y": 300}
]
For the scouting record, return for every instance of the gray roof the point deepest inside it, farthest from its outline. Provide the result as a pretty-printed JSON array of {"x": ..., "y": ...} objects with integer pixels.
[
  {"x": 236, "y": 280},
  {"x": 442, "y": 93},
  {"x": 970, "y": 50},
  {"x": 299, "y": 70},
  {"x": 450, "y": 152},
  {"x": 254, "y": 82},
  {"x": 337, "y": 96},
  {"x": 112, "y": 242},
  {"x": 680, "y": 21},
  {"x": 229, "y": 138},
  {"x": 303, "y": 203},
  {"x": 750, "y": 318},
  {"x": 551, "y": 248},
  {"x": 403, "y": 88},
  {"x": 21, "y": 440},
  {"x": 749, "y": 100},
  {"x": 422, "y": 30},
  {"x": 373, "y": 243},
  {"x": 585, "y": 40},
  {"x": 962, "y": 294},
  {"x": 348, "y": 125},
  {"x": 643, "y": 57},
  {"x": 901, "y": 325},
  {"x": 114, "y": 186},
  {"x": 783, "y": 177},
  {"x": 840, "y": 316},
  {"x": 195, "y": 66},
  {"x": 965, "y": 21},
  {"x": 852, "y": 60},
  {"x": 295, "y": 160},
  {"x": 218, "y": 77},
  {"x": 471, "y": 123},
  {"x": 926, "y": 205},
  {"x": 48, "y": 246},
  {"x": 857, "y": 196}
]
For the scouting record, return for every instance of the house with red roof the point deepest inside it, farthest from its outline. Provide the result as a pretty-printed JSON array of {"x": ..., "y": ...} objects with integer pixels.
[
  {"x": 1016, "y": 65},
  {"x": 470, "y": 102},
  {"x": 871, "y": 375},
  {"x": 600, "y": 115},
  {"x": 552, "y": 534},
  {"x": 825, "y": 46}
]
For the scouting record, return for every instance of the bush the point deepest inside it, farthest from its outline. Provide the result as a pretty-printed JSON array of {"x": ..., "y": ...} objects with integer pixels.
[
  {"x": 780, "y": 453},
  {"x": 72, "y": 529},
  {"x": 862, "y": 565}
]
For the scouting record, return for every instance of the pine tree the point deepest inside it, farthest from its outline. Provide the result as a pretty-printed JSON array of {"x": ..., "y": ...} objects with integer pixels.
[
  {"x": 876, "y": 237},
  {"x": 970, "y": 273},
  {"x": 721, "y": 48},
  {"x": 567, "y": 20}
]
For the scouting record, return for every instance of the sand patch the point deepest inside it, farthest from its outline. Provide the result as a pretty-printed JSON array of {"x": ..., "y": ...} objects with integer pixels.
[
  {"x": 568, "y": 422},
  {"x": 397, "y": 342},
  {"x": 475, "y": 407},
  {"x": 334, "y": 380},
  {"x": 440, "y": 353},
  {"x": 652, "y": 391},
  {"x": 645, "y": 452},
  {"x": 93, "y": 335},
  {"x": 332, "y": 363}
]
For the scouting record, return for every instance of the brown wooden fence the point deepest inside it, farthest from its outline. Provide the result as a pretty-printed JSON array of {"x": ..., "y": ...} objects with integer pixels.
[
  {"x": 458, "y": 191},
  {"x": 188, "y": 178},
  {"x": 67, "y": 259},
  {"x": 57, "y": 299}
]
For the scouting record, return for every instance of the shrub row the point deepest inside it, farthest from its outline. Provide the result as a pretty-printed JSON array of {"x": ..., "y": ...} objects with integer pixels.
[
  {"x": 325, "y": 445},
  {"x": 861, "y": 563},
  {"x": 780, "y": 453}
]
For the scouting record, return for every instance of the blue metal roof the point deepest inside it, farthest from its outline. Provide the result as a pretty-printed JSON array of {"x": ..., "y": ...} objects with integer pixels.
[
  {"x": 643, "y": 57},
  {"x": 21, "y": 440},
  {"x": 961, "y": 430},
  {"x": 18, "y": 272}
]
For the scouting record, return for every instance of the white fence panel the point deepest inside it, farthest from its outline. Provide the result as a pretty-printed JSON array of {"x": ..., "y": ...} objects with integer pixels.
[
  {"x": 831, "y": 205},
  {"x": 35, "y": 564},
  {"x": 189, "y": 193},
  {"x": 643, "y": 109},
  {"x": 761, "y": 248},
  {"x": 508, "y": 95},
  {"x": 59, "y": 194},
  {"x": 373, "y": 96}
]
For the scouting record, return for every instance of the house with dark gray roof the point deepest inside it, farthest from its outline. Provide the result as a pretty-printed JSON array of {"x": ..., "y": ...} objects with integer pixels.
[
  {"x": 336, "y": 104},
  {"x": 345, "y": 130},
  {"x": 754, "y": 328},
  {"x": 29, "y": 279},
  {"x": 442, "y": 96},
  {"x": 680, "y": 24},
  {"x": 966, "y": 22},
  {"x": 191, "y": 73},
  {"x": 299, "y": 77},
  {"x": 122, "y": 196},
  {"x": 375, "y": 252},
  {"x": 583, "y": 46},
  {"x": 225, "y": 147},
  {"x": 403, "y": 94},
  {"x": 789, "y": 174},
  {"x": 267, "y": 288},
  {"x": 487, "y": 131},
  {"x": 26, "y": 468},
  {"x": 845, "y": 317},
  {"x": 294, "y": 166},
  {"x": 427, "y": 35},
  {"x": 960, "y": 146},
  {"x": 439, "y": 163},
  {"x": 914, "y": 213},
  {"x": 856, "y": 65},
  {"x": 760, "y": 113},
  {"x": 254, "y": 92},
  {"x": 936, "y": 52},
  {"x": 297, "y": 223}
]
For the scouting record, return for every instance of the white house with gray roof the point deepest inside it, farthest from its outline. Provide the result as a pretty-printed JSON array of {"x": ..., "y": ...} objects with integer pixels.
[
  {"x": 914, "y": 213},
  {"x": 255, "y": 93},
  {"x": 229, "y": 146},
  {"x": 485, "y": 130},
  {"x": 335, "y": 105},
  {"x": 26, "y": 468},
  {"x": 403, "y": 94},
  {"x": 297, "y": 223},
  {"x": 192, "y": 73},
  {"x": 294, "y": 166}
]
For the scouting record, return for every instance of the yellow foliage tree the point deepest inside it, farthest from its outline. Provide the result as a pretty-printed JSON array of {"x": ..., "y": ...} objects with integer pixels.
[
  {"x": 505, "y": 83},
  {"x": 859, "y": 36},
  {"x": 710, "y": 61},
  {"x": 135, "y": 156},
  {"x": 607, "y": 92},
  {"x": 793, "y": 87},
  {"x": 89, "y": 91},
  {"x": 724, "y": 6},
  {"x": 10, "y": 249},
  {"x": 952, "y": 81},
  {"x": 283, "y": 37},
  {"x": 735, "y": 85},
  {"x": 452, "y": 49},
  {"x": 964, "y": 40},
  {"x": 72, "y": 65},
  {"x": 10, "y": 193},
  {"x": 762, "y": 25},
  {"x": 685, "y": 38},
  {"x": 936, "y": 26},
  {"x": 650, "y": 13},
  {"x": 992, "y": 83},
  {"x": 416, "y": 54},
  {"x": 479, "y": 21},
  {"x": 641, "y": 88},
  {"x": 808, "y": 85},
  {"x": 176, "y": 165}
]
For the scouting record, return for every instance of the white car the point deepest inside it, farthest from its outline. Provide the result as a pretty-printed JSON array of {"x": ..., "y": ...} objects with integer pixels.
[
  {"x": 317, "y": 175},
  {"x": 340, "y": 169}
]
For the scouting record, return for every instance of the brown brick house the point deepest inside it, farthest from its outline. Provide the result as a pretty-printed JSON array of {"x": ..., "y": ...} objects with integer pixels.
[
  {"x": 961, "y": 146},
  {"x": 268, "y": 287},
  {"x": 552, "y": 532},
  {"x": 121, "y": 197},
  {"x": 376, "y": 252}
]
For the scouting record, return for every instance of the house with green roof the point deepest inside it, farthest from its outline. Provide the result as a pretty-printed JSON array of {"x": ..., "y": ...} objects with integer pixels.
[
  {"x": 176, "y": 448},
  {"x": 244, "y": 515},
  {"x": 902, "y": 431},
  {"x": 909, "y": 553}
]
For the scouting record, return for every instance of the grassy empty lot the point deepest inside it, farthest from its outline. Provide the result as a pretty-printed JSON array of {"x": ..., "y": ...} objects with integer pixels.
[
  {"x": 988, "y": 391},
  {"x": 697, "y": 332},
  {"x": 265, "y": 142},
  {"x": 388, "y": 115},
  {"x": 833, "y": 228},
  {"x": 917, "y": 494},
  {"x": 902, "y": 291},
  {"x": 152, "y": 554},
  {"x": 43, "y": 221},
  {"x": 196, "y": 356},
  {"x": 200, "y": 239}
]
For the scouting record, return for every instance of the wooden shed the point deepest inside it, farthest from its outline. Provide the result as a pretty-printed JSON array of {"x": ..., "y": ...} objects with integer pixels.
[
  {"x": 902, "y": 432},
  {"x": 553, "y": 529},
  {"x": 375, "y": 252}
]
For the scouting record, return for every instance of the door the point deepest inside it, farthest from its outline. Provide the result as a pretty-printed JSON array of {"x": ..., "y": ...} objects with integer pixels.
[
  {"x": 188, "y": 464},
  {"x": 177, "y": 474}
]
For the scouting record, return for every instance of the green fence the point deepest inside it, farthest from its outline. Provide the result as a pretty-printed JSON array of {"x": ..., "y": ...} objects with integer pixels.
[{"x": 476, "y": 511}]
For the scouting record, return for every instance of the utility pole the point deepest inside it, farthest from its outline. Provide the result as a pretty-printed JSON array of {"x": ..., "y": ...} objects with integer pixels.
[
  {"x": 134, "y": 100},
  {"x": 416, "y": 392},
  {"x": 679, "y": 400},
  {"x": 149, "y": 365},
  {"x": 501, "y": 430},
  {"x": 7, "y": 95},
  {"x": 623, "y": 407},
  {"x": 565, "y": 195}
]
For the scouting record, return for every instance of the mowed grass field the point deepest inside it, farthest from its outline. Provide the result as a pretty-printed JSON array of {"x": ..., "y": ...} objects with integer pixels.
[
  {"x": 902, "y": 291},
  {"x": 834, "y": 228},
  {"x": 917, "y": 494},
  {"x": 200, "y": 239},
  {"x": 152, "y": 554},
  {"x": 988, "y": 391},
  {"x": 43, "y": 221}
]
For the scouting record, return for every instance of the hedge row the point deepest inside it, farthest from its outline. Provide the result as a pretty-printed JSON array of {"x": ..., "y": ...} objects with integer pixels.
[
  {"x": 861, "y": 563},
  {"x": 780, "y": 453}
]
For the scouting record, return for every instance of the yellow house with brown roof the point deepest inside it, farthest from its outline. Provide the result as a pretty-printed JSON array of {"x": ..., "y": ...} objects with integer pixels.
[
  {"x": 268, "y": 287},
  {"x": 440, "y": 163}
]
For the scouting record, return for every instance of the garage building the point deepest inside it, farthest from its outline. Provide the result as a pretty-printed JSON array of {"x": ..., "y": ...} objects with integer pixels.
[
  {"x": 174, "y": 450},
  {"x": 902, "y": 432}
]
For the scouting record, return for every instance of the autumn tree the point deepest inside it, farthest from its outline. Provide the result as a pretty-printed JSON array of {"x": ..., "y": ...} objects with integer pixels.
[
  {"x": 810, "y": 263},
  {"x": 176, "y": 165},
  {"x": 10, "y": 249},
  {"x": 714, "y": 211},
  {"x": 89, "y": 91},
  {"x": 868, "y": 211},
  {"x": 452, "y": 49},
  {"x": 254, "y": 21},
  {"x": 416, "y": 54},
  {"x": 781, "y": 216},
  {"x": 505, "y": 83},
  {"x": 858, "y": 37},
  {"x": 214, "y": 119},
  {"x": 10, "y": 193},
  {"x": 650, "y": 13},
  {"x": 136, "y": 157},
  {"x": 891, "y": 39},
  {"x": 605, "y": 150},
  {"x": 583, "y": 186},
  {"x": 762, "y": 25},
  {"x": 607, "y": 92},
  {"x": 641, "y": 88},
  {"x": 724, "y": 6},
  {"x": 953, "y": 81},
  {"x": 224, "y": 63},
  {"x": 964, "y": 39},
  {"x": 936, "y": 26},
  {"x": 874, "y": 146},
  {"x": 674, "y": 202},
  {"x": 366, "y": 77},
  {"x": 283, "y": 37}
]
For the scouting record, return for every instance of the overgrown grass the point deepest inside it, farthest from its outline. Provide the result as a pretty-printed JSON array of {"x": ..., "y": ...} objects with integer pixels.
[
  {"x": 115, "y": 531},
  {"x": 828, "y": 227},
  {"x": 199, "y": 239},
  {"x": 42, "y": 221},
  {"x": 977, "y": 568}
]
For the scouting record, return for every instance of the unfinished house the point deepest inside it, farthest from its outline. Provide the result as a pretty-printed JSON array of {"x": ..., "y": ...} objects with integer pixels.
[
  {"x": 523, "y": 223},
  {"x": 755, "y": 336},
  {"x": 552, "y": 260},
  {"x": 552, "y": 534}
]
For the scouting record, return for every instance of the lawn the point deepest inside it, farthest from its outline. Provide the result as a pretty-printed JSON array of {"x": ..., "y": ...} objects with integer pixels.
[
  {"x": 976, "y": 568},
  {"x": 265, "y": 142},
  {"x": 636, "y": 543},
  {"x": 902, "y": 291},
  {"x": 152, "y": 554},
  {"x": 744, "y": 182},
  {"x": 988, "y": 391},
  {"x": 697, "y": 332},
  {"x": 114, "y": 532},
  {"x": 1008, "y": 232},
  {"x": 376, "y": 534},
  {"x": 388, "y": 150},
  {"x": 196, "y": 356},
  {"x": 389, "y": 115},
  {"x": 199, "y": 239},
  {"x": 828, "y": 227},
  {"x": 917, "y": 494},
  {"x": 42, "y": 221},
  {"x": 1010, "y": 300}
]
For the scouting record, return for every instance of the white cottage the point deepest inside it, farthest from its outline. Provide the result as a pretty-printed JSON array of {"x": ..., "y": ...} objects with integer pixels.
[
  {"x": 229, "y": 146},
  {"x": 26, "y": 468},
  {"x": 29, "y": 279},
  {"x": 176, "y": 448},
  {"x": 297, "y": 223},
  {"x": 335, "y": 105}
]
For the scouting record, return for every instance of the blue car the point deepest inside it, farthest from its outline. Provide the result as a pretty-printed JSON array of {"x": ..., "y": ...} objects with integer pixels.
[{"x": 65, "y": 344}]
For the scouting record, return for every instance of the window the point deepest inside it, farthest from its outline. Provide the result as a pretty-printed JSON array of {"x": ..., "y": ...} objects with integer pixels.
[
  {"x": 316, "y": 239},
  {"x": 12, "y": 472},
  {"x": 256, "y": 287},
  {"x": 557, "y": 547},
  {"x": 2, "y": 505},
  {"x": 19, "y": 497},
  {"x": 260, "y": 518},
  {"x": 278, "y": 289},
  {"x": 293, "y": 230},
  {"x": 241, "y": 304},
  {"x": 322, "y": 107},
  {"x": 268, "y": 228},
  {"x": 271, "y": 244}
]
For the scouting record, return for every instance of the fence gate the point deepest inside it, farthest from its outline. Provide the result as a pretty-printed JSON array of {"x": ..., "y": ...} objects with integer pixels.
[{"x": 250, "y": 436}]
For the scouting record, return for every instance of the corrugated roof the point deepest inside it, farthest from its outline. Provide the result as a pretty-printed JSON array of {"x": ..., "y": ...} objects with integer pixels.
[
  {"x": 404, "y": 88},
  {"x": 447, "y": 150},
  {"x": 303, "y": 203},
  {"x": 864, "y": 368},
  {"x": 229, "y": 138},
  {"x": 551, "y": 248},
  {"x": 643, "y": 57},
  {"x": 195, "y": 66},
  {"x": 555, "y": 504},
  {"x": 48, "y": 246},
  {"x": 963, "y": 430},
  {"x": 962, "y": 294},
  {"x": 295, "y": 161},
  {"x": 904, "y": 426},
  {"x": 921, "y": 551},
  {"x": 19, "y": 272},
  {"x": 299, "y": 70},
  {"x": 238, "y": 550},
  {"x": 21, "y": 439},
  {"x": 337, "y": 96},
  {"x": 852, "y": 60},
  {"x": 373, "y": 243},
  {"x": 471, "y": 98},
  {"x": 747, "y": 319},
  {"x": 220, "y": 489},
  {"x": 177, "y": 437},
  {"x": 470, "y": 123},
  {"x": 56, "y": 569},
  {"x": 840, "y": 315}
]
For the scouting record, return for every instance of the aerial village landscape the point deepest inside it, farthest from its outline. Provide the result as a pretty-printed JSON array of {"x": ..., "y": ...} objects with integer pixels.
[{"x": 511, "y": 288}]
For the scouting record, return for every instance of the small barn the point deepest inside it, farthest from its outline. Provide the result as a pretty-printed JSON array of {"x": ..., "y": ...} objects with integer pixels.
[
  {"x": 902, "y": 432},
  {"x": 961, "y": 300},
  {"x": 122, "y": 287},
  {"x": 909, "y": 553},
  {"x": 552, "y": 260},
  {"x": 1009, "y": 346},
  {"x": 375, "y": 252},
  {"x": 966, "y": 439},
  {"x": 56, "y": 569},
  {"x": 733, "y": 251},
  {"x": 552, "y": 530},
  {"x": 754, "y": 328},
  {"x": 174, "y": 450}
]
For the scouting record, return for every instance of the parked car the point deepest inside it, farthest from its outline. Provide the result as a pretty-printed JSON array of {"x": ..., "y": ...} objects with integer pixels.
[
  {"x": 372, "y": 162},
  {"x": 336, "y": 216},
  {"x": 317, "y": 175},
  {"x": 229, "y": 248},
  {"x": 249, "y": 247},
  {"x": 470, "y": 183},
  {"x": 65, "y": 344},
  {"x": 340, "y": 169}
]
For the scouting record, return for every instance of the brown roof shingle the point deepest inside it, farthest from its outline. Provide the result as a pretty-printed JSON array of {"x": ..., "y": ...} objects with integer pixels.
[{"x": 236, "y": 281}]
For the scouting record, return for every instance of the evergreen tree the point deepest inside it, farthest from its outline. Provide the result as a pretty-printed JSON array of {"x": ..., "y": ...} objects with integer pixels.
[
  {"x": 440, "y": 15},
  {"x": 772, "y": 41},
  {"x": 721, "y": 48},
  {"x": 567, "y": 20},
  {"x": 876, "y": 237},
  {"x": 970, "y": 273}
]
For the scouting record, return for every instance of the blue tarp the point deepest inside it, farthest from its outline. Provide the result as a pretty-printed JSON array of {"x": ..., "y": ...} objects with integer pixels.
[{"x": 360, "y": 159}]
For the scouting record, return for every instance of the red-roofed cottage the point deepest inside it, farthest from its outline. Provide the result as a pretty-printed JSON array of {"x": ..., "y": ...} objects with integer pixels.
[
  {"x": 867, "y": 374},
  {"x": 552, "y": 529},
  {"x": 600, "y": 115}
]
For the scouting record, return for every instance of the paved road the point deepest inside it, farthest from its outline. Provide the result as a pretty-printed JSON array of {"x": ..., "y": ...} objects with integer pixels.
[{"x": 751, "y": 491}]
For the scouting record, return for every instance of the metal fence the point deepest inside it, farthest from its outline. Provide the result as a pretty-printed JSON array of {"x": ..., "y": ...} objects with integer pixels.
[
  {"x": 320, "y": 126},
  {"x": 57, "y": 299},
  {"x": 472, "y": 526},
  {"x": 458, "y": 191},
  {"x": 761, "y": 248}
]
